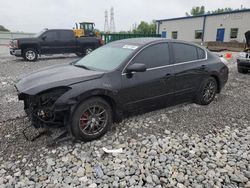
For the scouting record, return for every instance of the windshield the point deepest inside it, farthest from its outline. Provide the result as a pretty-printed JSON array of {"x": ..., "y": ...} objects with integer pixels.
[
  {"x": 40, "y": 33},
  {"x": 105, "y": 58}
]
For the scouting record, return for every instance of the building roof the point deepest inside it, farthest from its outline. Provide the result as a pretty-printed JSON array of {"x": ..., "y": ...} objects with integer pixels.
[{"x": 212, "y": 14}]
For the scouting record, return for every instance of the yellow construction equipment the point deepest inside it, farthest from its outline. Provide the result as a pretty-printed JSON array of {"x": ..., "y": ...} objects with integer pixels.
[{"x": 84, "y": 29}]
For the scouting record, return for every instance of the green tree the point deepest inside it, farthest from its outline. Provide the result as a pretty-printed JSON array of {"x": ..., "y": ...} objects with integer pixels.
[
  {"x": 2, "y": 28},
  {"x": 145, "y": 28},
  {"x": 220, "y": 10},
  {"x": 125, "y": 32},
  {"x": 196, "y": 11}
]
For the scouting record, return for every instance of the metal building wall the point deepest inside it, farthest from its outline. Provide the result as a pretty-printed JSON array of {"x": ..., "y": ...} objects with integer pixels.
[
  {"x": 227, "y": 21},
  {"x": 186, "y": 26}
]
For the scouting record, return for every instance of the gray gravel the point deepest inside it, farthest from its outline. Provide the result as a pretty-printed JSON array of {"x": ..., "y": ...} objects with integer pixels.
[{"x": 182, "y": 146}]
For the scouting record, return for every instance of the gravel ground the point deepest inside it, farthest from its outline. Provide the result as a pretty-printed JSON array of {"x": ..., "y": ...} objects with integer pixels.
[{"x": 182, "y": 146}]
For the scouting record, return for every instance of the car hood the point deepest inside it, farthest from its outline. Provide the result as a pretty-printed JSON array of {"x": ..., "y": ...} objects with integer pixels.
[
  {"x": 26, "y": 39},
  {"x": 247, "y": 35},
  {"x": 56, "y": 76}
]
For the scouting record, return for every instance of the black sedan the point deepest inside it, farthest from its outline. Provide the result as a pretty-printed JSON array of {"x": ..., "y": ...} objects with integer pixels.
[{"x": 118, "y": 79}]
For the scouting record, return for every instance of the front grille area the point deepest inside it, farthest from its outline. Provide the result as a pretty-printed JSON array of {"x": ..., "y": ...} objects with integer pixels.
[{"x": 41, "y": 113}]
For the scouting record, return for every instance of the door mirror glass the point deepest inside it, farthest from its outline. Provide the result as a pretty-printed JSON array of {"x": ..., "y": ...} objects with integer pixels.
[{"x": 136, "y": 67}]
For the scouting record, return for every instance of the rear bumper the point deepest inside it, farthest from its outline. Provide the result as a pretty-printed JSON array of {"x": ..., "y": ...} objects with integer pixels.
[
  {"x": 243, "y": 63},
  {"x": 15, "y": 52}
]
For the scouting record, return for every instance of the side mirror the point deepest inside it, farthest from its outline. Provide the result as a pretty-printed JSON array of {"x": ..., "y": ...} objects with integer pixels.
[
  {"x": 136, "y": 67},
  {"x": 44, "y": 37}
]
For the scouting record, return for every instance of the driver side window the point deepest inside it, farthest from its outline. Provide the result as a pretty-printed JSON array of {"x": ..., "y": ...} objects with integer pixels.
[
  {"x": 51, "y": 35},
  {"x": 156, "y": 55}
]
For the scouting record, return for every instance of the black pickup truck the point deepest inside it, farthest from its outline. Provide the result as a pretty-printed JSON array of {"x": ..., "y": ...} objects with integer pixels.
[{"x": 54, "y": 41}]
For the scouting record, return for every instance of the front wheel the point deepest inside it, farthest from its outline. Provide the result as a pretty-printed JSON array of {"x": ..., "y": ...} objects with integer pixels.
[
  {"x": 30, "y": 54},
  {"x": 206, "y": 92},
  {"x": 91, "y": 119}
]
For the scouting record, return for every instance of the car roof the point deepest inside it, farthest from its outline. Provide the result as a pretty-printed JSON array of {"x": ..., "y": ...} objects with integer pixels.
[
  {"x": 140, "y": 42},
  {"x": 136, "y": 41},
  {"x": 59, "y": 30}
]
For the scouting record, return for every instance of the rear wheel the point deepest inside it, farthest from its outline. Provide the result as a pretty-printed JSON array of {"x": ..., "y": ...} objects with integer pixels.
[
  {"x": 241, "y": 70},
  {"x": 86, "y": 51},
  {"x": 30, "y": 54},
  {"x": 91, "y": 119},
  {"x": 207, "y": 91}
]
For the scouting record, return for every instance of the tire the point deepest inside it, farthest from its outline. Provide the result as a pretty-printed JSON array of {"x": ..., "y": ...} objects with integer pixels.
[
  {"x": 241, "y": 70},
  {"x": 85, "y": 52},
  {"x": 86, "y": 126},
  {"x": 30, "y": 54},
  {"x": 207, "y": 91},
  {"x": 79, "y": 54}
]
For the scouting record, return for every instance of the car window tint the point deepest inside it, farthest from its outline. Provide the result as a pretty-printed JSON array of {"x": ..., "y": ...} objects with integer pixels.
[
  {"x": 66, "y": 34},
  {"x": 105, "y": 58},
  {"x": 154, "y": 56},
  {"x": 184, "y": 52},
  {"x": 201, "y": 53},
  {"x": 51, "y": 35}
]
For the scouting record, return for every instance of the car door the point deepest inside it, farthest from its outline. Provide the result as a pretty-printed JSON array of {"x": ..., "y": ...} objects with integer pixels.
[
  {"x": 189, "y": 69},
  {"x": 67, "y": 41},
  {"x": 49, "y": 42},
  {"x": 153, "y": 87}
]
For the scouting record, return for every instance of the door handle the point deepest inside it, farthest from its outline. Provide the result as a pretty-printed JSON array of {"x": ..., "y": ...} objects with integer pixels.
[
  {"x": 203, "y": 67},
  {"x": 167, "y": 76}
]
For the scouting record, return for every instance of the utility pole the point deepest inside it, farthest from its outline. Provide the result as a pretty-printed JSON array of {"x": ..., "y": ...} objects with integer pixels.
[
  {"x": 106, "y": 24},
  {"x": 112, "y": 21}
]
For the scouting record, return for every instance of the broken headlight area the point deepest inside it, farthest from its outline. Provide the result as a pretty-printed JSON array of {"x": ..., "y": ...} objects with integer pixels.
[{"x": 41, "y": 108}]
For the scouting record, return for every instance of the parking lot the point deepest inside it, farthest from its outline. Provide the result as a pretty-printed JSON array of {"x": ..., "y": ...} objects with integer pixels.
[{"x": 181, "y": 146}]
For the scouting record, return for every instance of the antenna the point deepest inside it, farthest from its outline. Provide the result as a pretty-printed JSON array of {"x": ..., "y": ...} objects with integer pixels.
[
  {"x": 106, "y": 24},
  {"x": 112, "y": 21}
]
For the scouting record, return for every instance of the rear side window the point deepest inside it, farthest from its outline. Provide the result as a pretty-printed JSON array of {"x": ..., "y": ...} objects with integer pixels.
[
  {"x": 51, "y": 35},
  {"x": 66, "y": 34},
  {"x": 154, "y": 56},
  {"x": 201, "y": 53},
  {"x": 186, "y": 52}
]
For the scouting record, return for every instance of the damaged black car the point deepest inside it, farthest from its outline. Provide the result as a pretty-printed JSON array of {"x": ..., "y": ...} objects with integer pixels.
[{"x": 122, "y": 77}]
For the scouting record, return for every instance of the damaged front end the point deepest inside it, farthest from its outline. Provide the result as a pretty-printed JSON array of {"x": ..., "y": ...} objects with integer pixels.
[{"x": 41, "y": 108}]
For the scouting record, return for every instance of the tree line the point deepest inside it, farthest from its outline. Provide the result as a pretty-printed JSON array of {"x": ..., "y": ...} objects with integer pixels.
[
  {"x": 200, "y": 10},
  {"x": 2, "y": 28}
]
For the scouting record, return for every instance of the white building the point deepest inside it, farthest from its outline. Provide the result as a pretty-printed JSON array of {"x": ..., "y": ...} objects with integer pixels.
[{"x": 226, "y": 26}]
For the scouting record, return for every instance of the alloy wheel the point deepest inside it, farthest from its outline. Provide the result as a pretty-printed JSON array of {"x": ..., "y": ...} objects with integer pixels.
[
  {"x": 30, "y": 55},
  {"x": 93, "y": 120},
  {"x": 209, "y": 91},
  {"x": 88, "y": 51}
]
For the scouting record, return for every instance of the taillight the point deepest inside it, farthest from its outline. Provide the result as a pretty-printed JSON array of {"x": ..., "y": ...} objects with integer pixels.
[{"x": 101, "y": 42}]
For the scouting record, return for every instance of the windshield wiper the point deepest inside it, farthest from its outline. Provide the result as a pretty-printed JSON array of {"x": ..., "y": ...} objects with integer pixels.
[{"x": 82, "y": 66}]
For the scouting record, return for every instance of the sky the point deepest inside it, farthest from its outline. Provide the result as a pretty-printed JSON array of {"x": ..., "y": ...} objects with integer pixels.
[{"x": 35, "y": 15}]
